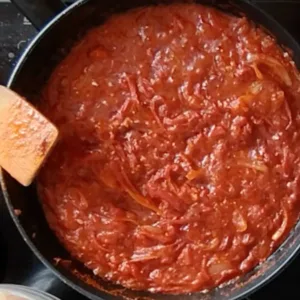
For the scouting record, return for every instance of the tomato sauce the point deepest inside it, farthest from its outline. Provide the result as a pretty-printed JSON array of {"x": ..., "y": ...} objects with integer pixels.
[{"x": 178, "y": 165}]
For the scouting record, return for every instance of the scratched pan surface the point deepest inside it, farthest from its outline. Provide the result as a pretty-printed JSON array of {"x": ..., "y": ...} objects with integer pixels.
[{"x": 31, "y": 73}]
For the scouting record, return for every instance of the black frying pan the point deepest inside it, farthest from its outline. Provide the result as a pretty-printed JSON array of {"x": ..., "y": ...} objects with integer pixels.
[{"x": 29, "y": 76}]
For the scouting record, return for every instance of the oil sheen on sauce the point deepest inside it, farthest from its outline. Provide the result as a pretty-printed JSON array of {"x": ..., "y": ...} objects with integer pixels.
[{"x": 178, "y": 166}]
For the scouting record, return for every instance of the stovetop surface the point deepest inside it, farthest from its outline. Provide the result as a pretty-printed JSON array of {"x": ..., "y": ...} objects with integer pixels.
[{"x": 17, "y": 264}]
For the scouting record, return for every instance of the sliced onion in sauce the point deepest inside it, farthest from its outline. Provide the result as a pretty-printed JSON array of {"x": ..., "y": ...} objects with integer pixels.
[
  {"x": 239, "y": 221},
  {"x": 129, "y": 188},
  {"x": 281, "y": 230},
  {"x": 255, "y": 165},
  {"x": 156, "y": 233},
  {"x": 155, "y": 252},
  {"x": 212, "y": 245},
  {"x": 141, "y": 199},
  {"x": 258, "y": 73},
  {"x": 217, "y": 268},
  {"x": 193, "y": 174},
  {"x": 273, "y": 64}
]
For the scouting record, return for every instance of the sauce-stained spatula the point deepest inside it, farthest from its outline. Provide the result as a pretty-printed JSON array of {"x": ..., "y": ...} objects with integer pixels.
[{"x": 26, "y": 137}]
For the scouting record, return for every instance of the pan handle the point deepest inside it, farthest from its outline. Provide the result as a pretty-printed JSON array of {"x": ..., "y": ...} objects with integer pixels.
[{"x": 39, "y": 12}]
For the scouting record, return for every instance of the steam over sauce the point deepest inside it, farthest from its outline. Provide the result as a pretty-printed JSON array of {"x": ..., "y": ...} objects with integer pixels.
[{"x": 179, "y": 162}]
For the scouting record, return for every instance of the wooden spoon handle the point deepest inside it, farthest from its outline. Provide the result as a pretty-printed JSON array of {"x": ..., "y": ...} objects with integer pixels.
[{"x": 26, "y": 137}]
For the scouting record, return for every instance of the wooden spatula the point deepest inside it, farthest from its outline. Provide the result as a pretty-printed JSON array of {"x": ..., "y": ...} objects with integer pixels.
[{"x": 26, "y": 137}]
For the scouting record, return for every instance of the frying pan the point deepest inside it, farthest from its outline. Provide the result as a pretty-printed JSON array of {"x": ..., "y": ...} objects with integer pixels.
[{"x": 33, "y": 69}]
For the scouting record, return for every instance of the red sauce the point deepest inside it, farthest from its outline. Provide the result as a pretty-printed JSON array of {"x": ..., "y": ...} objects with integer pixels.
[{"x": 178, "y": 167}]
